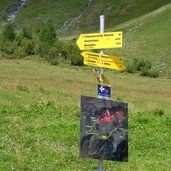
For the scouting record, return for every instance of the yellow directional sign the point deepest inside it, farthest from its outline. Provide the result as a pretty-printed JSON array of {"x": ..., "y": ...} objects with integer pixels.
[
  {"x": 100, "y": 40},
  {"x": 110, "y": 65},
  {"x": 102, "y": 57}
]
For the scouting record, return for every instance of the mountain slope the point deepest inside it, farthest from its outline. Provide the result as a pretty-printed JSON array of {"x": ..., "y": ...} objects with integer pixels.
[
  {"x": 145, "y": 24},
  {"x": 148, "y": 37},
  {"x": 116, "y": 12}
]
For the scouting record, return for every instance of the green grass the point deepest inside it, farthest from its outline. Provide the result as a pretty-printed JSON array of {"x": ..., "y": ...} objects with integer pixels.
[
  {"x": 40, "y": 104},
  {"x": 39, "y": 117},
  {"x": 147, "y": 37},
  {"x": 38, "y": 11},
  {"x": 116, "y": 12}
]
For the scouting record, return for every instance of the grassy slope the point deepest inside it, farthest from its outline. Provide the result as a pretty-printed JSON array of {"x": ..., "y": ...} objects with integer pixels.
[
  {"x": 147, "y": 37},
  {"x": 59, "y": 11},
  {"x": 39, "y": 117},
  {"x": 39, "y": 11},
  {"x": 39, "y": 125},
  {"x": 117, "y": 12}
]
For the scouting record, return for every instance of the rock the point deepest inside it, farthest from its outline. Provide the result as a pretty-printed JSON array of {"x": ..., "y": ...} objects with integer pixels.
[{"x": 12, "y": 9}]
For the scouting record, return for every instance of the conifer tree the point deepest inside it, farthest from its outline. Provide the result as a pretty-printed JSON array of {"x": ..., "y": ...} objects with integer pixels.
[
  {"x": 9, "y": 32},
  {"x": 47, "y": 33}
]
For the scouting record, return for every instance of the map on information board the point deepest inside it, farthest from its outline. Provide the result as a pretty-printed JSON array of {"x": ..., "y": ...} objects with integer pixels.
[{"x": 103, "y": 129}]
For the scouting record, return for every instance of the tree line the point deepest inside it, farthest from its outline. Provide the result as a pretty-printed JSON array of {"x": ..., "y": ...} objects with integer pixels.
[{"x": 19, "y": 43}]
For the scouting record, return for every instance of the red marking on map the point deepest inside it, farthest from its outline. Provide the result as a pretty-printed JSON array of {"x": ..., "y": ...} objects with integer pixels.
[{"x": 108, "y": 117}]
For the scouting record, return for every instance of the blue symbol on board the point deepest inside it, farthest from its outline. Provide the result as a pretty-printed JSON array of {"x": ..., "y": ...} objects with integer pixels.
[{"x": 104, "y": 91}]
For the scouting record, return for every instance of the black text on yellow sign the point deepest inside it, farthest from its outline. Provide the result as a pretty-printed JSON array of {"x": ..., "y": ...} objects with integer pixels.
[
  {"x": 100, "y": 40},
  {"x": 102, "y": 57},
  {"x": 109, "y": 65}
]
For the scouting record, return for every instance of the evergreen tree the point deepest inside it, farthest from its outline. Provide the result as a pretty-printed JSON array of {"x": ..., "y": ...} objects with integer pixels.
[
  {"x": 9, "y": 32},
  {"x": 47, "y": 33},
  {"x": 27, "y": 33}
]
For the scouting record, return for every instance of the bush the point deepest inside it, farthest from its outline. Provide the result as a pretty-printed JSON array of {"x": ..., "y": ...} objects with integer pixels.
[
  {"x": 144, "y": 72},
  {"x": 23, "y": 88},
  {"x": 131, "y": 69},
  {"x": 76, "y": 59},
  {"x": 41, "y": 49},
  {"x": 150, "y": 73},
  {"x": 54, "y": 62},
  {"x": 53, "y": 53},
  {"x": 153, "y": 73},
  {"x": 29, "y": 47},
  {"x": 140, "y": 64},
  {"x": 47, "y": 33},
  {"x": 19, "y": 52},
  {"x": 9, "y": 47},
  {"x": 26, "y": 33},
  {"x": 9, "y": 32},
  {"x": 64, "y": 49},
  {"x": 19, "y": 39},
  {"x": 159, "y": 112},
  {"x": 144, "y": 66}
]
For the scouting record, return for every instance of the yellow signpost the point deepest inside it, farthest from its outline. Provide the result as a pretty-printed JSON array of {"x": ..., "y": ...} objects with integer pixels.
[
  {"x": 109, "y": 65},
  {"x": 100, "y": 40},
  {"x": 102, "y": 57}
]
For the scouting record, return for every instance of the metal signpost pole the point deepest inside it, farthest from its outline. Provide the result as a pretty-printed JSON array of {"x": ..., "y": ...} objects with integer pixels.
[{"x": 102, "y": 21}]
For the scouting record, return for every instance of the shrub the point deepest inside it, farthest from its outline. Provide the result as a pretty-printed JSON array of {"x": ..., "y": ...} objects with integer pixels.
[
  {"x": 150, "y": 73},
  {"x": 144, "y": 72},
  {"x": 144, "y": 66},
  {"x": 19, "y": 39},
  {"x": 153, "y": 73},
  {"x": 9, "y": 32},
  {"x": 26, "y": 33},
  {"x": 131, "y": 69},
  {"x": 47, "y": 33},
  {"x": 29, "y": 47},
  {"x": 23, "y": 88},
  {"x": 76, "y": 59},
  {"x": 53, "y": 53},
  {"x": 140, "y": 64},
  {"x": 41, "y": 49},
  {"x": 54, "y": 62},
  {"x": 159, "y": 112},
  {"x": 63, "y": 48},
  {"x": 19, "y": 52},
  {"x": 9, "y": 47}
]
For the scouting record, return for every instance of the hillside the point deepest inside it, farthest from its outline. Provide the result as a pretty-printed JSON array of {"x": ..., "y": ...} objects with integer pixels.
[
  {"x": 145, "y": 27},
  {"x": 39, "y": 111},
  {"x": 148, "y": 37},
  {"x": 40, "y": 103},
  {"x": 116, "y": 12}
]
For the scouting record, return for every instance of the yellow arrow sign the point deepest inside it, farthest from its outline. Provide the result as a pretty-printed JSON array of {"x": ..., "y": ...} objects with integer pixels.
[
  {"x": 102, "y": 57},
  {"x": 100, "y": 40},
  {"x": 110, "y": 65}
]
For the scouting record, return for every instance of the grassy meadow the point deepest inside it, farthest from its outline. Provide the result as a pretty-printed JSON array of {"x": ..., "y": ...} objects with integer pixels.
[
  {"x": 39, "y": 117},
  {"x": 148, "y": 37},
  {"x": 38, "y": 11},
  {"x": 40, "y": 103}
]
